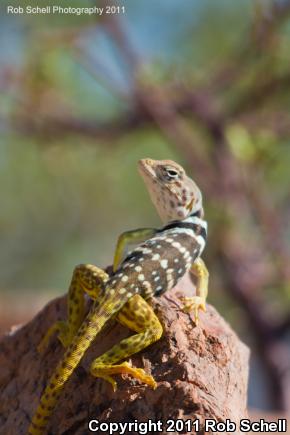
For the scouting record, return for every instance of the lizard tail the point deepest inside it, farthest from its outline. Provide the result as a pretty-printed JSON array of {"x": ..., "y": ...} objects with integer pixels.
[{"x": 74, "y": 353}]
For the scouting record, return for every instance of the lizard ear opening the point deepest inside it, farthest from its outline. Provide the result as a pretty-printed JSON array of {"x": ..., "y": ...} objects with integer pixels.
[
  {"x": 190, "y": 204},
  {"x": 195, "y": 204}
]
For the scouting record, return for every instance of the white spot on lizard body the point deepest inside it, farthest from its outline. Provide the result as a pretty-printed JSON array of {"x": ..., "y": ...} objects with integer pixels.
[{"x": 164, "y": 264}]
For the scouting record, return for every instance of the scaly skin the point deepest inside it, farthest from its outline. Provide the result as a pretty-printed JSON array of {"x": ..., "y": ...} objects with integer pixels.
[{"x": 153, "y": 267}]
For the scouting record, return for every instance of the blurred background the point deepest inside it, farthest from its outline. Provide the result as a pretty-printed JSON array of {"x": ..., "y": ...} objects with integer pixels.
[{"x": 201, "y": 82}]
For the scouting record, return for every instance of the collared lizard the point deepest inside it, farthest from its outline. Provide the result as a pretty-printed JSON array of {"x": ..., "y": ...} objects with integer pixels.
[{"x": 153, "y": 267}]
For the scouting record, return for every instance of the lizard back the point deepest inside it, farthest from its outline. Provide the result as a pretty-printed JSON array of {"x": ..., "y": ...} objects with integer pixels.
[{"x": 156, "y": 265}]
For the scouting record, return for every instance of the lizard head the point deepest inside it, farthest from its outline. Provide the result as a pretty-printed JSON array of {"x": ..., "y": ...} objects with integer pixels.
[{"x": 173, "y": 193}]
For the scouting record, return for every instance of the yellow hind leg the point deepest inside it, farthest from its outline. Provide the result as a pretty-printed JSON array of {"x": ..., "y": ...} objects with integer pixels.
[
  {"x": 140, "y": 317},
  {"x": 86, "y": 279}
]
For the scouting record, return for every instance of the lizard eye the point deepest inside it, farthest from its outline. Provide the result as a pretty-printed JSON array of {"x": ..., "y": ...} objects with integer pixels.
[{"x": 171, "y": 174}]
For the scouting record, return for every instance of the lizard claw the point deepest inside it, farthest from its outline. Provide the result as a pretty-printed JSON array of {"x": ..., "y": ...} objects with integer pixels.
[
  {"x": 111, "y": 381},
  {"x": 105, "y": 372},
  {"x": 194, "y": 303}
]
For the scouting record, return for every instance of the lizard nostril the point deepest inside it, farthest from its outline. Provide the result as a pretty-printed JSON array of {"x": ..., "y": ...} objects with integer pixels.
[{"x": 149, "y": 161}]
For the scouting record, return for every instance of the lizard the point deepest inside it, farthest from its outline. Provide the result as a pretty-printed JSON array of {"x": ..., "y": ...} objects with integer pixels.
[{"x": 159, "y": 260}]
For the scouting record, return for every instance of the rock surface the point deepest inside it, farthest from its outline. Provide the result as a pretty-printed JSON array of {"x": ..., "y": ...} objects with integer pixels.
[{"x": 201, "y": 371}]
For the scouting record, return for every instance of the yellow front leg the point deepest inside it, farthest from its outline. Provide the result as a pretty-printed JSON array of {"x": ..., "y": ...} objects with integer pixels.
[
  {"x": 86, "y": 278},
  {"x": 140, "y": 317},
  {"x": 130, "y": 237},
  {"x": 196, "y": 303}
]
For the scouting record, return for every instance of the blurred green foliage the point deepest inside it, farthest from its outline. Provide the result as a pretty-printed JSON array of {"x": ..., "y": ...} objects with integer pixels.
[{"x": 66, "y": 204}]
